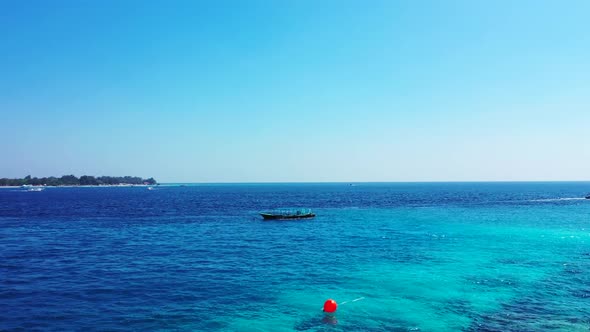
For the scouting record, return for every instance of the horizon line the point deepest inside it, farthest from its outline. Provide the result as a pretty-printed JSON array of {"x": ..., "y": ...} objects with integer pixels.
[{"x": 368, "y": 182}]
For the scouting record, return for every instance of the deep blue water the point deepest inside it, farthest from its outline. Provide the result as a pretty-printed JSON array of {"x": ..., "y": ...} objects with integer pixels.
[{"x": 416, "y": 256}]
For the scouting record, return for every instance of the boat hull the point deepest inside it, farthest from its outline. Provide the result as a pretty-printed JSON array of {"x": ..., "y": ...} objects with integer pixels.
[{"x": 268, "y": 216}]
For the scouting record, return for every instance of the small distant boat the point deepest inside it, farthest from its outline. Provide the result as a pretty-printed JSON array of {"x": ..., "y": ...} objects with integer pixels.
[
  {"x": 288, "y": 214},
  {"x": 150, "y": 188},
  {"x": 587, "y": 196},
  {"x": 35, "y": 189}
]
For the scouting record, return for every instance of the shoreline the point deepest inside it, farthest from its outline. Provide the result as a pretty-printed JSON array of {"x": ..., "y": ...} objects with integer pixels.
[{"x": 83, "y": 186}]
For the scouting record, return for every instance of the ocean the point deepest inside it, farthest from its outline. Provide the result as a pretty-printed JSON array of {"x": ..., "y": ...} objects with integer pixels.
[{"x": 395, "y": 256}]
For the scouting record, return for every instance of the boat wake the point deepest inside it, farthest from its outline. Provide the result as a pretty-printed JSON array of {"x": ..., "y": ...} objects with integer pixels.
[{"x": 558, "y": 199}]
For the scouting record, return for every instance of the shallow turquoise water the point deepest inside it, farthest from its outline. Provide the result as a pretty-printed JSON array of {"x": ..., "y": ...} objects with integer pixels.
[
  {"x": 448, "y": 270},
  {"x": 427, "y": 257}
]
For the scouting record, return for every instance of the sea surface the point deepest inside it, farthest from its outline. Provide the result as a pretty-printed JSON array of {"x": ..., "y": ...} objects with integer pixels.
[{"x": 395, "y": 256}]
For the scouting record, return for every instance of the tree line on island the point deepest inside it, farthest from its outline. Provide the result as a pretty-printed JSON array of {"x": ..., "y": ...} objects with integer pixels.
[{"x": 71, "y": 180}]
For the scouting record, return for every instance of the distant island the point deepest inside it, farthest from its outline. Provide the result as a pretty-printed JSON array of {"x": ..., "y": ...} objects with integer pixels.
[{"x": 71, "y": 180}]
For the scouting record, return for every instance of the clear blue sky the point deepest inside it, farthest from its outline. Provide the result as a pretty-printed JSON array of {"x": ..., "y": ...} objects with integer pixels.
[{"x": 247, "y": 91}]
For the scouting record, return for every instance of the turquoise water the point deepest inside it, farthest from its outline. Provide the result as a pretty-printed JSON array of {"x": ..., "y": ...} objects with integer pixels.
[{"x": 415, "y": 257}]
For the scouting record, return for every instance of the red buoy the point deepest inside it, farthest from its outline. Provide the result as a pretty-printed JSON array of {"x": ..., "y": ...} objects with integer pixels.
[{"x": 330, "y": 306}]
